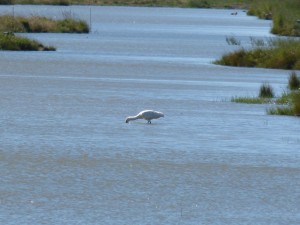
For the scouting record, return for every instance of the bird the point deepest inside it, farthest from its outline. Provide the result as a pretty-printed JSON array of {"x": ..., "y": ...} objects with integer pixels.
[{"x": 146, "y": 115}]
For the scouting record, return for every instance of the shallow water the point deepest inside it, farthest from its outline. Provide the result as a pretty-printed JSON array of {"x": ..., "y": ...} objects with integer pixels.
[{"x": 68, "y": 157}]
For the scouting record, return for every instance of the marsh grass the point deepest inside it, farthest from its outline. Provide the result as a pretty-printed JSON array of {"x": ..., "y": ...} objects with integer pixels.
[
  {"x": 266, "y": 91},
  {"x": 251, "y": 100},
  {"x": 290, "y": 104},
  {"x": 292, "y": 108},
  {"x": 283, "y": 13},
  {"x": 296, "y": 103},
  {"x": 14, "y": 43},
  {"x": 169, "y": 3},
  {"x": 284, "y": 99},
  {"x": 232, "y": 40},
  {"x": 198, "y": 4},
  {"x": 281, "y": 54},
  {"x": 286, "y": 104},
  {"x": 35, "y": 24},
  {"x": 39, "y": 24},
  {"x": 45, "y": 2},
  {"x": 265, "y": 96},
  {"x": 6, "y": 2},
  {"x": 281, "y": 111},
  {"x": 274, "y": 53},
  {"x": 294, "y": 81},
  {"x": 257, "y": 43}
]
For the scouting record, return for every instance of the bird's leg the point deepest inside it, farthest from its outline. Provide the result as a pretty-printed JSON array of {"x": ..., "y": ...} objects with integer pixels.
[{"x": 149, "y": 121}]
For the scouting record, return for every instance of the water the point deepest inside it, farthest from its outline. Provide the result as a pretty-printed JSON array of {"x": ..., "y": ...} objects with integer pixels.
[{"x": 68, "y": 157}]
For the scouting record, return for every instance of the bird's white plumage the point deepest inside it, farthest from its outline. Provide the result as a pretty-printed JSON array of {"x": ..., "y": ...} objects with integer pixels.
[{"x": 146, "y": 115}]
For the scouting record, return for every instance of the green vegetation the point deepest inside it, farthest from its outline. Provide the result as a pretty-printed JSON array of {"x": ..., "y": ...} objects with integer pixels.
[
  {"x": 35, "y": 24},
  {"x": 266, "y": 95},
  {"x": 294, "y": 81},
  {"x": 48, "y": 2},
  {"x": 284, "y": 14},
  {"x": 232, "y": 41},
  {"x": 6, "y": 2},
  {"x": 11, "y": 42},
  {"x": 266, "y": 91},
  {"x": 292, "y": 108},
  {"x": 251, "y": 100},
  {"x": 275, "y": 53},
  {"x": 282, "y": 111},
  {"x": 171, "y": 3},
  {"x": 38, "y": 24},
  {"x": 289, "y": 101},
  {"x": 284, "y": 99}
]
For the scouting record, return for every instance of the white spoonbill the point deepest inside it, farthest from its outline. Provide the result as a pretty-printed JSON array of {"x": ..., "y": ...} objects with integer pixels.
[{"x": 146, "y": 115}]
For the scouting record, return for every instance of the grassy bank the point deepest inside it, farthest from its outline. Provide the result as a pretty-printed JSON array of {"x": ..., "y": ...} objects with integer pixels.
[
  {"x": 49, "y": 2},
  {"x": 9, "y": 41},
  {"x": 38, "y": 24},
  {"x": 275, "y": 53},
  {"x": 286, "y": 104},
  {"x": 35, "y": 24},
  {"x": 285, "y": 15},
  {"x": 171, "y": 3}
]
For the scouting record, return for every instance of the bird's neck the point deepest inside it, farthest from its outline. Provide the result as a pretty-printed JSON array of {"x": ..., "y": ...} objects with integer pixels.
[{"x": 129, "y": 118}]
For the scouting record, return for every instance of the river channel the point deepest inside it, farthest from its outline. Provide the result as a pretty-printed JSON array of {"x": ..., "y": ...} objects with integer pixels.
[{"x": 68, "y": 157}]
